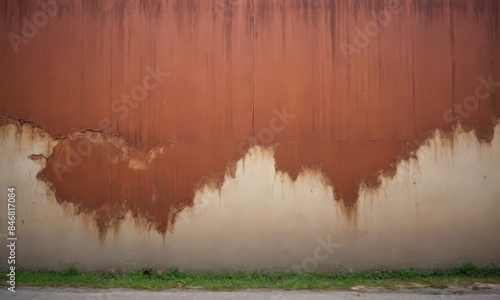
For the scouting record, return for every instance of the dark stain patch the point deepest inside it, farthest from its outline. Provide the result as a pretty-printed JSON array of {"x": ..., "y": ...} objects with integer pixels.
[
  {"x": 25, "y": 8},
  {"x": 119, "y": 6},
  {"x": 263, "y": 9},
  {"x": 430, "y": 8},
  {"x": 461, "y": 5},
  {"x": 249, "y": 15},
  {"x": 332, "y": 25},
  {"x": 152, "y": 7},
  {"x": 187, "y": 13},
  {"x": 481, "y": 6},
  {"x": 37, "y": 157},
  {"x": 495, "y": 11},
  {"x": 153, "y": 186},
  {"x": 98, "y": 9},
  {"x": 367, "y": 7}
]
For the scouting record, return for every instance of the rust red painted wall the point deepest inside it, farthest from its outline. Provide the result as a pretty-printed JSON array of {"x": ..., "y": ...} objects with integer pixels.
[{"x": 232, "y": 66}]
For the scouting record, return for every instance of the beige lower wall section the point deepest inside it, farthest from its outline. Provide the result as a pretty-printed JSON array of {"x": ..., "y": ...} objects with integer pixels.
[{"x": 439, "y": 210}]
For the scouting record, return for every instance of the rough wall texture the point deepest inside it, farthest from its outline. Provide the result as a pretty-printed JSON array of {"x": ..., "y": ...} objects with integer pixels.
[
  {"x": 128, "y": 111},
  {"x": 439, "y": 209}
]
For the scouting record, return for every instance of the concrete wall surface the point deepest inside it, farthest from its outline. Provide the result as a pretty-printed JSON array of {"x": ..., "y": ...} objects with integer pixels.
[{"x": 216, "y": 135}]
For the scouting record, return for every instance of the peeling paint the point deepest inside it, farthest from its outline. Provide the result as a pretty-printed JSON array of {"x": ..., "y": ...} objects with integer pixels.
[
  {"x": 153, "y": 185},
  {"x": 156, "y": 204},
  {"x": 417, "y": 91},
  {"x": 440, "y": 208},
  {"x": 405, "y": 69}
]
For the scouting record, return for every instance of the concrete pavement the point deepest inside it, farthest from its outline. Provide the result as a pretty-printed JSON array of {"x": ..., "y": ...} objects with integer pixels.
[{"x": 49, "y": 293}]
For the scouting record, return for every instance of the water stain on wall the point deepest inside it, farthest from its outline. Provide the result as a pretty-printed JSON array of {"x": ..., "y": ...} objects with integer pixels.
[
  {"x": 231, "y": 66},
  {"x": 113, "y": 180}
]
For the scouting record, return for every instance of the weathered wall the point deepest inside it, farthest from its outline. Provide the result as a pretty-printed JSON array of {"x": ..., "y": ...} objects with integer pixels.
[
  {"x": 439, "y": 209},
  {"x": 129, "y": 128}
]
